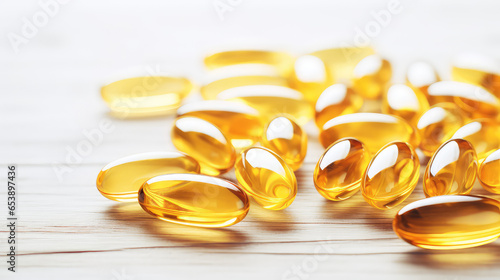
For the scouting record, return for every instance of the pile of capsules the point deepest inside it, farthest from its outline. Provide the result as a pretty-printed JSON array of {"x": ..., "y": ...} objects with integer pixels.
[{"x": 252, "y": 116}]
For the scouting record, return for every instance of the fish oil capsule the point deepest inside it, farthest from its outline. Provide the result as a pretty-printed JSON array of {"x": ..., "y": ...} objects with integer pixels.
[
  {"x": 272, "y": 101},
  {"x": 489, "y": 172},
  {"x": 391, "y": 176},
  {"x": 437, "y": 125},
  {"x": 143, "y": 96},
  {"x": 121, "y": 179},
  {"x": 374, "y": 130},
  {"x": 475, "y": 101},
  {"x": 451, "y": 170},
  {"x": 205, "y": 143},
  {"x": 237, "y": 121},
  {"x": 449, "y": 222},
  {"x": 402, "y": 101},
  {"x": 311, "y": 77},
  {"x": 287, "y": 139},
  {"x": 339, "y": 171},
  {"x": 477, "y": 69},
  {"x": 193, "y": 199},
  {"x": 483, "y": 134},
  {"x": 371, "y": 75},
  {"x": 336, "y": 100},
  {"x": 342, "y": 61},
  {"x": 420, "y": 76},
  {"x": 266, "y": 177}
]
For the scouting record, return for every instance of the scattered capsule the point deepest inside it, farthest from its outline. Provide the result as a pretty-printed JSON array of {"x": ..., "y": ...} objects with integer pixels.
[
  {"x": 237, "y": 121},
  {"x": 449, "y": 222},
  {"x": 489, "y": 172},
  {"x": 121, "y": 179},
  {"x": 339, "y": 171},
  {"x": 266, "y": 177},
  {"x": 272, "y": 101},
  {"x": 336, "y": 100},
  {"x": 205, "y": 143},
  {"x": 143, "y": 96},
  {"x": 483, "y": 134},
  {"x": 195, "y": 200},
  {"x": 437, "y": 125},
  {"x": 451, "y": 170},
  {"x": 477, "y": 69},
  {"x": 374, "y": 130},
  {"x": 287, "y": 139},
  {"x": 342, "y": 61},
  {"x": 391, "y": 176},
  {"x": 402, "y": 101},
  {"x": 311, "y": 77},
  {"x": 420, "y": 76},
  {"x": 371, "y": 75}
]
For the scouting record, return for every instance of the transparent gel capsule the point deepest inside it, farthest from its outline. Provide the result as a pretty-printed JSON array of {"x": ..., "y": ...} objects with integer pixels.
[
  {"x": 391, "y": 176},
  {"x": 121, "y": 179},
  {"x": 336, "y": 100},
  {"x": 311, "y": 77},
  {"x": 195, "y": 200},
  {"x": 420, "y": 76},
  {"x": 483, "y": 134},
  {"x": 342, "y": 61},
  {"x": 451, "y": 170},
  {"x": 371, "y": 75},
  {"x": 266, "y": 178},
  {"x": 449, "y": 222},
  {"x": 489, "y": 172},
  {"x": 402, "y": 101},
  {"x": 477, "y": 69},
  {"x": 204, "y": 142},
  {"x": 287, "y": 139},
  {"x": 339, "y": 171}
]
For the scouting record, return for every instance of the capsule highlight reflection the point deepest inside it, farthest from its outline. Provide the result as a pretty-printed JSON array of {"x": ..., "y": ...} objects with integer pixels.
[
  {"x": 371, "y": 75},
  {"x": 336, "y": 100},
  {"x": 489, "y": 172}
]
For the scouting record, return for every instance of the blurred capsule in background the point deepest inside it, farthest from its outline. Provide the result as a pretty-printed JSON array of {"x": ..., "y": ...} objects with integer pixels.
[
  {"x": 489, "y": 172},
  {"x": 311, "y": 77},
  {"x": 402, "y": 101},
  {"x": 371, "y": 76},
  {"x": 339, "y": 171},
  {"x": 420, "y": 76},
  {"x": 336, "y": 100},
  {"x": 483, "y": 134},
  {"x": 477, "y": 69},
  {"x": 287, "y": 139},
  {"x": 451, "y": 170}
]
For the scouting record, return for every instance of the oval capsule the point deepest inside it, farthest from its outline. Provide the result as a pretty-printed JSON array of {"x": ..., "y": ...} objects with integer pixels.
[
  {"x": 311, "y": 77},
  {"x": 121, "y": 179},
  {"x": 374, "y": 130},
  {"x": 400, "y": 100},
  {"x": 420, "y": 76},
  {"x": 144, "y": 96},
  {"x": 342, "y": 61},
  {"x": 437, "y": 125},
  {"x": 205, "y": 143},
  {"x": 451, "y": 170},
  {"x": 477, "y": 69},
  {"x": 339, "y": 171},
  {"x": 336, "y": 100},
  {"x": 391, "y": 176},
  {"x": 449, "y": 222},
  {"x": 483, "y": 134},
  {"x": 371, "y": 75},
  {"x": 195, "y": 200},
  {"x": 489, "y": 172},
  {"x": 266, "y": 178},
  {"x": 287, "y": 139}
]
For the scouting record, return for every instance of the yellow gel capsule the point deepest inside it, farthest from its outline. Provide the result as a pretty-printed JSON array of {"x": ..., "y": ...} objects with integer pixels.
[
  {"x": 143, "y": 96},
  {"x": 474, "y": 100},
  {"x": 437, "y": 125},
  {"x": 272, "y": 101},
  {"x": 194, "y": 200},
  {"x": 420, "y": 76},
  {"x": 342, "y": 61},
  {"x": 374, "y": 130},
  {"x": 449, "y": 222},
  {"x": 483, "y": 134},
  {"x": 287, "y": 139},
  {"x": 266, "y": 178},
  {"x": 489, "y": 173},
  {"x": 451, "y": 170},
  {"x": 311, "y": 77},
  {"x": 204, "y": 142},
  {"x": 477, "y": 69},
  {"x": 336, "y": 100},
  {"x": 371, "y": 75},
  {"x": 402, "y": 101},
  {"x": 211, "y": 90},
  {"x": 391, "y": 176},
  {"x": 237, "y": 121},
  {"x": 121, "y": 179},
  {"x": 339, "y": 171}
]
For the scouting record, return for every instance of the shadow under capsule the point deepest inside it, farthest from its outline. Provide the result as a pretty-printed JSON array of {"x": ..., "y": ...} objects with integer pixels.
[{"x": 271, "y": 220}]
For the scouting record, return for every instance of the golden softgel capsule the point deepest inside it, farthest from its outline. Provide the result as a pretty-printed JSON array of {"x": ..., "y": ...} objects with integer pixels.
[
  {"x": 342, "y": 61},
  {"x": 195, "y": 200},
  {"x": 477, "y": 69},
  {"x": 311, "y": 77},
  {"x": 449, "y": 222},
  {"x": 336, "y": 100},
  {"x": 420, "y": 76},
  {"x": 237, "y": 121},
  {"x": 374, "y": 130},
  {"x": 146, "y": 95},
  {"x": 400, "y": 100},
  {"x": 483, "y": 134},
  {"x": 121, "y": 179},
  {"x": 371, "y": 75},
  {"x": 205, "y": 143},
  {"x": 339, "y": 171},
  {"x": 266, "y": 178},
  {"x": 391, "y": 176},
  {"x": 287, "y": 139},
  {"x": 451, "y": 170},
  {"x": 489, "y": 172}
]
